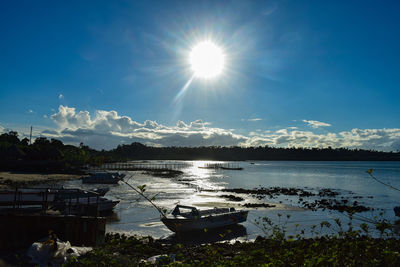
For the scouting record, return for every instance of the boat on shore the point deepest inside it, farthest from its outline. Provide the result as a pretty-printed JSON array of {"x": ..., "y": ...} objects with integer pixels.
[
  {"x": 193, "y": 219},
  {"x": 86, "y": 205},
  {"x": 103, "y": 178}
]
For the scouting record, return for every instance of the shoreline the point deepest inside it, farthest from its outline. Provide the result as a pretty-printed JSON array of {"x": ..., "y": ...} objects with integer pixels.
[{"x": 16, "y": 179}]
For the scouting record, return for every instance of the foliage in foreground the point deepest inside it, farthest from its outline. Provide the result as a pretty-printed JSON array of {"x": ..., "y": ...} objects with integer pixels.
[{"x": 349, "y": 249}]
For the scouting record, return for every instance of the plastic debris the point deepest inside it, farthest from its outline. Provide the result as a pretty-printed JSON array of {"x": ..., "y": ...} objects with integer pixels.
[
  {"x": 54, "y": 252},
  {"x": 161, "y": 258}
]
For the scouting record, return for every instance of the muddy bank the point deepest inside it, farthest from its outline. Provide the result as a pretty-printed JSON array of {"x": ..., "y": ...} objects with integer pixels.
[
  {"x": 20, "y": 179},
  {"x": 275, "y": 191}
]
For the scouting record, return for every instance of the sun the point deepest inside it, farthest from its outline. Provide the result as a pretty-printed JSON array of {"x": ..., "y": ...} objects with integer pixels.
[{"x": 206, "y": 60}]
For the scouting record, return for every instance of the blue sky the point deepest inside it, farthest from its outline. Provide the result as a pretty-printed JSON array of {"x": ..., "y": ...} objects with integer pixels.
[{"x": 297, "y": 73}]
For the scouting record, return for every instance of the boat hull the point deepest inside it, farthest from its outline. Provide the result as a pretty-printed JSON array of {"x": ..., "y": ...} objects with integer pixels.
[
  {"x": 84, "y": 205},
  {"x": 208, "y": 222}
]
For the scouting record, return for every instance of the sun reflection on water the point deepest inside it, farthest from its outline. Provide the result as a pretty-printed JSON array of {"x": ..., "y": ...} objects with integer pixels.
[{"x": 204, "y": 179}]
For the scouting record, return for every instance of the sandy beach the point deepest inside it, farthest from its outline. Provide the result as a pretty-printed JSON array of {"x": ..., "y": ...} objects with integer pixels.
[{"x": 11, "y": 179}]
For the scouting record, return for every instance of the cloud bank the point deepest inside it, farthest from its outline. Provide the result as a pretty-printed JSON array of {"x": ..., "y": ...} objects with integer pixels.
[{"x": 107, "y": 129}]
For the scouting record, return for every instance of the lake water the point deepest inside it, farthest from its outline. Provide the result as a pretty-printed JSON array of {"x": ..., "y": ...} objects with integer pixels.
[{"x": 134, "y": 215}]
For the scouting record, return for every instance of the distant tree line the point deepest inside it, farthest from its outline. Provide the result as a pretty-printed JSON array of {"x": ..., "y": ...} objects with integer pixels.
[
  {"x": 52, "y": 155},
  {"x": 140, "y": 151},
  {"x": 44, "y": 155}
]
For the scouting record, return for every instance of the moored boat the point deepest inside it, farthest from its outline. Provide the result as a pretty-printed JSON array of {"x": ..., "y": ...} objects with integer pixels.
[
  {"x": 85, "y": 204},
  {"x": 195, "y": 219}
]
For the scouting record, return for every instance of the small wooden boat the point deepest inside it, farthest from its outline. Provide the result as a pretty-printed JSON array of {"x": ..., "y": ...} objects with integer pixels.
[
  {"x": 195, "y": 219},
  {"x": 82, "y": 205},
  {"x": 103, "y": 178}
]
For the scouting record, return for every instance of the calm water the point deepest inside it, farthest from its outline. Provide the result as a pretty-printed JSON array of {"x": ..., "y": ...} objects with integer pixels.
[{"x": 135, "y": 215}]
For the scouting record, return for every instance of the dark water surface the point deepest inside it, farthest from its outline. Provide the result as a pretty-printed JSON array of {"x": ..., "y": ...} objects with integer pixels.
[{"x": 135, "y": 215}]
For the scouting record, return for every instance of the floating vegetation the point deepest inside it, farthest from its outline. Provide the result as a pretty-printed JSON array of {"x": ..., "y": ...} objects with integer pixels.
[
  {"x": 328, "y": 198},
  {"x": 258, "y": 205},
  {"x": 232, "y": 198}
]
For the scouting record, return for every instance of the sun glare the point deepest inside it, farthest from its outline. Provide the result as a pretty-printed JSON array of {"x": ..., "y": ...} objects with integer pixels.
[{"x": 207, "y": 60}]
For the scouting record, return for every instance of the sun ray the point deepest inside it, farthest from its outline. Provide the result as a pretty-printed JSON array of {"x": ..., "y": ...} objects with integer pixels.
[{"x": 181, "y": 92}]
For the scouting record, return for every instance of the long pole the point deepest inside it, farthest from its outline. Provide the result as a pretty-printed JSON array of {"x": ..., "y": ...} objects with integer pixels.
[
  {"x": 373, "y": 177},
  {"x": 149, "y": 200},
  {"x": 30, "y": 137}
]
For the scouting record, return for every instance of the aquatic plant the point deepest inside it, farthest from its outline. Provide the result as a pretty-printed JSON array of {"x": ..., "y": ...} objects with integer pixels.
[{"x": 349, "y": 248}]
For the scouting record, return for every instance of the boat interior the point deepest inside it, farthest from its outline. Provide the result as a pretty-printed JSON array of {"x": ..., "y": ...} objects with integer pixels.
[{"x": 193, "y": 212}]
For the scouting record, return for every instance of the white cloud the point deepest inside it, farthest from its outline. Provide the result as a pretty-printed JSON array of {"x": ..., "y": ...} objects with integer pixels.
[
  {"x": 107, "y": 129},
  {"x": 60, "y": 96},
  {"x": 316, "y": 124},
  {"x": 282, "y": 131},
  {"x": 377, "y": 139},
  {"x": 31, "y": 111},
  {"x": 255, "y": 119}
]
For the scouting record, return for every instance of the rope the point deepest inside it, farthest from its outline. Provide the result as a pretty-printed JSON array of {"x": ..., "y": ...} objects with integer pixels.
[{"x": 373, "y": 177}]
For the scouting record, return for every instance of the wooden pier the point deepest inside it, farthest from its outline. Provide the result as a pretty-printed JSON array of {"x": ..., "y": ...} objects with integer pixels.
[
  {"x": 223, "y": 166},
  {"x": 137, "y": 166}
]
